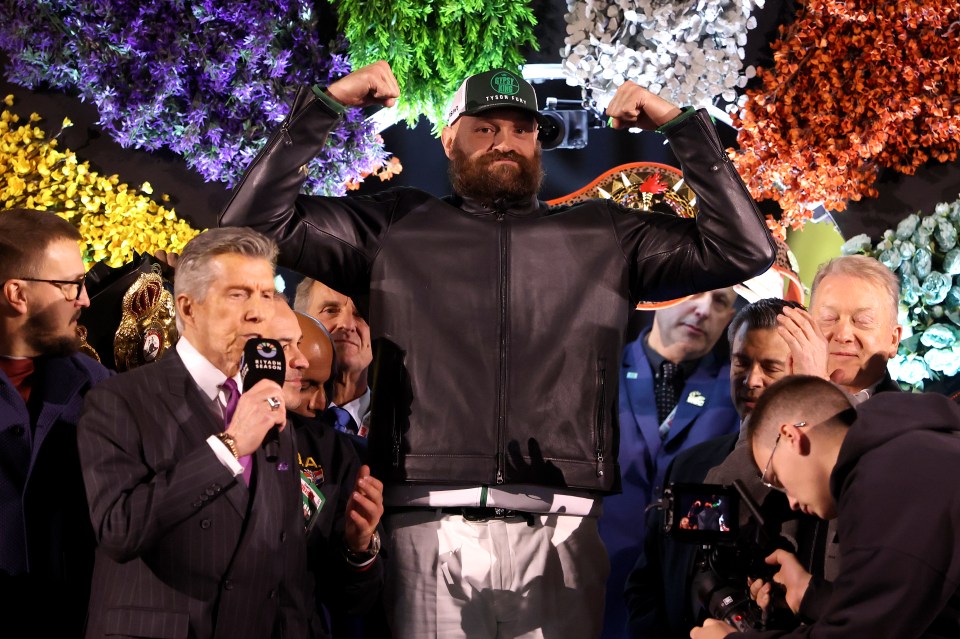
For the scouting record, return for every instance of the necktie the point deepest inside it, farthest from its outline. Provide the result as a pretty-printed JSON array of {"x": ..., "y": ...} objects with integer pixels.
[
  {"x": 342, "y": 420},
  {"x": 665, "y": 392},
  {"x": 232, "y": 393}
]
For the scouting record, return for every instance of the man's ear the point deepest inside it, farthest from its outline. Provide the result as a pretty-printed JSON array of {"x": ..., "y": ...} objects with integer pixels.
[
  {"x": 797, "y": 439},
  {"x": 15, "y": 296},
  {"x": 447, "y": 137},
  {"x": 185, "y": 308},
  {"x": 897, "y": 334}
]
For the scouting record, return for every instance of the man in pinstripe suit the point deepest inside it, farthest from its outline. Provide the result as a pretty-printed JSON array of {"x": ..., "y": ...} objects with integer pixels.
[{"x": 199, "y": 535}]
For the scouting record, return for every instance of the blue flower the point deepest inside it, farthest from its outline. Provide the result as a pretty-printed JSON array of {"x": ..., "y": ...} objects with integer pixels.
[
  {"x": 940, "y": 336},
  {"x": 945, "y": 361},
  {"x": 935, "y": 288},
  {"x": 909, "y": 369}
]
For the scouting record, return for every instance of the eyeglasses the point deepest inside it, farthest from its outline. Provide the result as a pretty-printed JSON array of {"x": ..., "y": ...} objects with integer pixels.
[
  {"x": 846, "y": 416},
  {"x": 766, "y": 469},
  {"x": 67, "y": 286}
]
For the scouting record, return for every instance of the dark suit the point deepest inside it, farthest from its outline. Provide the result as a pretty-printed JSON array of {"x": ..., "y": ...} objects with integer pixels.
[
  {"x": 182, "y": 550},
  {"x": 46, "y": 543},
  {"x": 330, "y": 458},
  {"x": 704, "y": 411}
]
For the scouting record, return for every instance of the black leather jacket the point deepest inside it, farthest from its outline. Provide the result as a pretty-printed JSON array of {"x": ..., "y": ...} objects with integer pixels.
[{"x": 498, "y": 332}]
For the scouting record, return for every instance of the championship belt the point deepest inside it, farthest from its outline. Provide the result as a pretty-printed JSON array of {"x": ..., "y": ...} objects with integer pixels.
[
  {"x": 652, "y": 187},
  {"x": 147, "y": 327}
]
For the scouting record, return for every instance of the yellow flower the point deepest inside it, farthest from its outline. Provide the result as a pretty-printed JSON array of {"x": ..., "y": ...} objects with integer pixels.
[{"x": 113, "y": 218}]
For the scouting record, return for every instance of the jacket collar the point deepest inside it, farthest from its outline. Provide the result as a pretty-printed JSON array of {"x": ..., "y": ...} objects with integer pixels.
[{"x": 525, "y": 207}]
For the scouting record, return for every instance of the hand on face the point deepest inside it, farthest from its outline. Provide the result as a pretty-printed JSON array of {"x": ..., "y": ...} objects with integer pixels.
[
  {"x": 373, "y": 84},
  {"x": 364, "y": 510},
  {"x": 808, "y": 346},
  {"x": 255, "y": 416},
  {"x": 634, "y": 106}
]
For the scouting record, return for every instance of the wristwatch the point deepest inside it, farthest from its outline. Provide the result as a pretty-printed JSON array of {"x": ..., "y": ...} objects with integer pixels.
[
  {"x": 230, "y": 443},
  {"x": 364, "y": 557}
]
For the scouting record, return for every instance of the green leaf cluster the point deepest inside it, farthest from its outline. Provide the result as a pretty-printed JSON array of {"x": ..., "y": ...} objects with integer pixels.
[{"x": 432, "y": 45}]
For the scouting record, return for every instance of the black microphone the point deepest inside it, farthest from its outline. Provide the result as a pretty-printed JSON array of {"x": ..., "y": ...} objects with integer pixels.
[{"x": 263, "y": 359}]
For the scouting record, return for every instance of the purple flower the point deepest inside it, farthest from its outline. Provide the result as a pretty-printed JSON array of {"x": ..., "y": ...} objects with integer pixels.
[{"x": 207, "y": 80}]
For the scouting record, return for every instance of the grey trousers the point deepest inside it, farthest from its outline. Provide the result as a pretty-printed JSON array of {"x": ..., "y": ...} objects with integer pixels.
[{"x": 450, "y": 577}]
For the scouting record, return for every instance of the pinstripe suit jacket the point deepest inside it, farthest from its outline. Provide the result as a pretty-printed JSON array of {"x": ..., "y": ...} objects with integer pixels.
[{"x": 184, "y": 548}]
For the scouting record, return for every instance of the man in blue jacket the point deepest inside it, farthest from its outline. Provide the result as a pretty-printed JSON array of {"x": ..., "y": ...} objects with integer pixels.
[
  {"x": 46, "y": 543},
  {"x": 674, "y": 394}
]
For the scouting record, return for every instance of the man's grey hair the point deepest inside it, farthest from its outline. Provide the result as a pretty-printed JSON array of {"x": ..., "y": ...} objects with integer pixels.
[
  {"x": 194, "y": 273},
  {"x": 301, "y": 298},
  {"x": 865, "y": 268}
]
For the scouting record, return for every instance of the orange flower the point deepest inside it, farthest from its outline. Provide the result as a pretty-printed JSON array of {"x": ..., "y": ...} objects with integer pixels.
[{"x": 856, "y": 86}]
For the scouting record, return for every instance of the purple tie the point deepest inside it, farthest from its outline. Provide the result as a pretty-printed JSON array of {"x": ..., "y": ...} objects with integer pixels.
[{"x": 233, "y": 396}]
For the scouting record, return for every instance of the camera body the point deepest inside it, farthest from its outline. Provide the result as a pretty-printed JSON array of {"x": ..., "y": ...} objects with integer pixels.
[{"x": 708, "y": 515}]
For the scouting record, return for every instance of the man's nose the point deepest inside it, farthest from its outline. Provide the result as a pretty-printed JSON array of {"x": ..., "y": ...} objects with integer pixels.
[
  {"x": 84, "y": 300},
  {"x": 842, "y": 331},
  {"x": 754, "y": 377},
  {"x": 503, "y": 141},
  {"x": 298, "y": 360}
]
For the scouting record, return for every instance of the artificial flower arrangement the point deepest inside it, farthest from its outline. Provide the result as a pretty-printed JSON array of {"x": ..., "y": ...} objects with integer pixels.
[
  {"x": 925, "y": 254},
  {"x": 207, "y": 80},
  {"x": 114, "y": 218}
]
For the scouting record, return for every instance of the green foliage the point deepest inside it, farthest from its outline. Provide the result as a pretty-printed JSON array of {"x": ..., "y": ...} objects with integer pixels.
[{"x": 432, "y": 45}]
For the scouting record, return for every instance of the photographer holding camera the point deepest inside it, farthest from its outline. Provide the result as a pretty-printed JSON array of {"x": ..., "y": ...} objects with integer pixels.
[
  {"x": 660, "y": 591},
  {"x": 847, "y": 337},
  {"x": 899, "y": 551}
]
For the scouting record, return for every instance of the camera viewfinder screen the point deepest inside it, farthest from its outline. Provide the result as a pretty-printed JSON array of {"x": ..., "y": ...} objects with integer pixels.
[{"x": 705, "y": 510}]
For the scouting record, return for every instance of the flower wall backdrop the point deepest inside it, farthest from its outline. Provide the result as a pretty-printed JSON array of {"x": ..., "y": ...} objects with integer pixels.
[
  {"x": 432, "y": 45},
  {"x": 114, "y": 218},
  {"x": 689, "y": 52},
  {"x": 925, "y": 254},
  {"x": 857, "y": 86},
  {"x": 206, "y": 79}
]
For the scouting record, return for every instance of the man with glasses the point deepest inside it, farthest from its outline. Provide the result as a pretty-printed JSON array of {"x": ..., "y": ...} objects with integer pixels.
[
  {"x": 659, "y": 591},
  {"x": 899, "y": 529},
  {"x": 46, "y": 541}
]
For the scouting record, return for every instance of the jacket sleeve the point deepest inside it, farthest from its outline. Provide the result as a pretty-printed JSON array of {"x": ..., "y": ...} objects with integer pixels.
[
  {"x": 815, "y": 599},
  {"x": 132, "y": 506},
  {"x": 335, "y": 237},
  {"x": 342, "y": 587},
  {"x": 727, "y": 243},
  {"x": 898, "y": 553}
]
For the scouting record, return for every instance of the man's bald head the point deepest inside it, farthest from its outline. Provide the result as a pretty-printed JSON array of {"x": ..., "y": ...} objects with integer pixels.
[{"x": 317, "y": 347}]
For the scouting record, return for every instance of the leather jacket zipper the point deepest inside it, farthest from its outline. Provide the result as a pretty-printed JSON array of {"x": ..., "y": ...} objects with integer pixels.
[
  {"x": 502, "y": 381},
  {"x": 601, "y": 410}
]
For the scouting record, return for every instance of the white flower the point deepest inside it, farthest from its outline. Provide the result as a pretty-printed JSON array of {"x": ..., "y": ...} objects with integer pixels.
[
  {"x": 908, "y": 368},
  {"x": 699, "y": 41}
]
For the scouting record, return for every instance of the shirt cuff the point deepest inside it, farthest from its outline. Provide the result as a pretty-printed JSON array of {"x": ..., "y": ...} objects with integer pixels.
[
  {"x": 332, "y": 104},
  {"x": 687, "y": 112},
  {"x": 225, "y": 456}
]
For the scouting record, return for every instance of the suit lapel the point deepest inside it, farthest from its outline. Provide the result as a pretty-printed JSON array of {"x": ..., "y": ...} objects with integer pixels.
[
  {"x": 637, "y": 384},
  {"x": 695, "y": 396},
  {"x": 189, "y": 408},
  {"x": 60, "y": 382}
]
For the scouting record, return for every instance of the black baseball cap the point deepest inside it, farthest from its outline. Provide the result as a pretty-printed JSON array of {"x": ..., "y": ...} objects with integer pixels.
[{"x": 494, "y": 89}]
